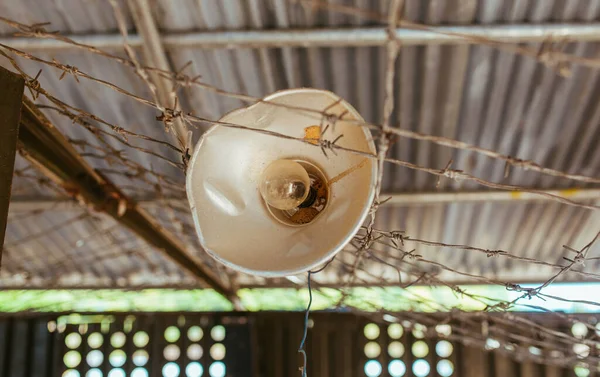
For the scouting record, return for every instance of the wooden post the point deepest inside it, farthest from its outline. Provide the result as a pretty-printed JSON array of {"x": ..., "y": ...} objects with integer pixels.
[
  {"x": 504, "y": 366},
  {"x": 11, "y": 97},
  {"x": 474, "y": 362}
]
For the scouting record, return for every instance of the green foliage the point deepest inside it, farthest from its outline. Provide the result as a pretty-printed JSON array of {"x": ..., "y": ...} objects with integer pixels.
[{"x": 414, "y": 298}]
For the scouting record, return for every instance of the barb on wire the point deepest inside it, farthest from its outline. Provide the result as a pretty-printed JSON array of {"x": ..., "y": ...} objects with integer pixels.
[
  {"x": 326, "y": 144},
  {"x": 579, "y": 259}
]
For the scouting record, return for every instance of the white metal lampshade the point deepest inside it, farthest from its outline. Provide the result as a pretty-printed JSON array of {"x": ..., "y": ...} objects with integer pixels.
[{"x": 235, "y": 224}]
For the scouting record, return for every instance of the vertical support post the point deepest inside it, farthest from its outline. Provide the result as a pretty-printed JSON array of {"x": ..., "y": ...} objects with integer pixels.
[{"x": 11, "y": 97}]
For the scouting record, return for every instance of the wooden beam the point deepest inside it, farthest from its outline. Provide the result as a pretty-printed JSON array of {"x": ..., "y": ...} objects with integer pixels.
[
  {"x": 11, "y": 94},
  {"x": 46, "y": 148},
  {"x": 553, "y": 371},
  {"x": 474, "y": 362},
  {"x": 530, "y": 369},
  {"x": 503, "y": 365}
]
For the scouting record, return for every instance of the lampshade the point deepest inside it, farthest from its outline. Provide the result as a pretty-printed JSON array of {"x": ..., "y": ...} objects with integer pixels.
[{"x": 234, "y": 222}]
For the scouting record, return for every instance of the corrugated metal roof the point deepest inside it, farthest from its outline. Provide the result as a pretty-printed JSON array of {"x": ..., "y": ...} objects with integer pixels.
[
  {"x": 66, "y": 16},
  {"x": 475, "y": 94}
]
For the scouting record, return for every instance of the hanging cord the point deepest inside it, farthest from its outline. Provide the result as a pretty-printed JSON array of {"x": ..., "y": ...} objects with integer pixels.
[{"x": 306, "y": 313}]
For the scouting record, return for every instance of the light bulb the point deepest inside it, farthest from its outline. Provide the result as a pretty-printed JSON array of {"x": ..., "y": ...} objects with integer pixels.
[{"x": 284, "y": 185}]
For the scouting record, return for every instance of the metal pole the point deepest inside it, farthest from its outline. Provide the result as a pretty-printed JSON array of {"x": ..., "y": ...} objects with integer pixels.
[
  {"x": 378, "y": 36},
  {"x": 350, "y": 37},
  {"x": 11, "y": 95}
]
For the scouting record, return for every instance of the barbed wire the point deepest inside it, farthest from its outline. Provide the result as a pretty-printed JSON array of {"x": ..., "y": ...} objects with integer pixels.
[
  {"x": 499, "y": 304},
  {"x": 527, "y": 292},
  {"x": 323, "y": 143},
  {"x": 181, "y": 80},
  {"x": 516, "y": 328},
  {"x": 397, "y": 238},
  {"x": 508, "y": 329}
]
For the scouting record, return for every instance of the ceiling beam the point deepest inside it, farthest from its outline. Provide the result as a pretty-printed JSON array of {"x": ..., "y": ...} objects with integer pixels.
[
  {"x": 330, "y": 37},
  {"x": 27, "y": 204},
  {"x": 46, "y": 148}
]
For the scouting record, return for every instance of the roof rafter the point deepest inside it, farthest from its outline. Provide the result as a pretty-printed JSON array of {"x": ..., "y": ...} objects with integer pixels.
[{"x": 46, "y": 148}]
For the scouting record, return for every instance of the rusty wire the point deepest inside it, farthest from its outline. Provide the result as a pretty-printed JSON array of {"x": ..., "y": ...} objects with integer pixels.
[
  {"x": 181, "y": 80},
  {"x": 511, "y": 330},
  {"x": 411, "y": 259},
  {"x": 192, "y": 120}
]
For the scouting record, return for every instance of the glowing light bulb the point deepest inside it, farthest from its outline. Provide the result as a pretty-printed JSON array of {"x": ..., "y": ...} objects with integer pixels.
[{"x": 284, "y": 184}]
